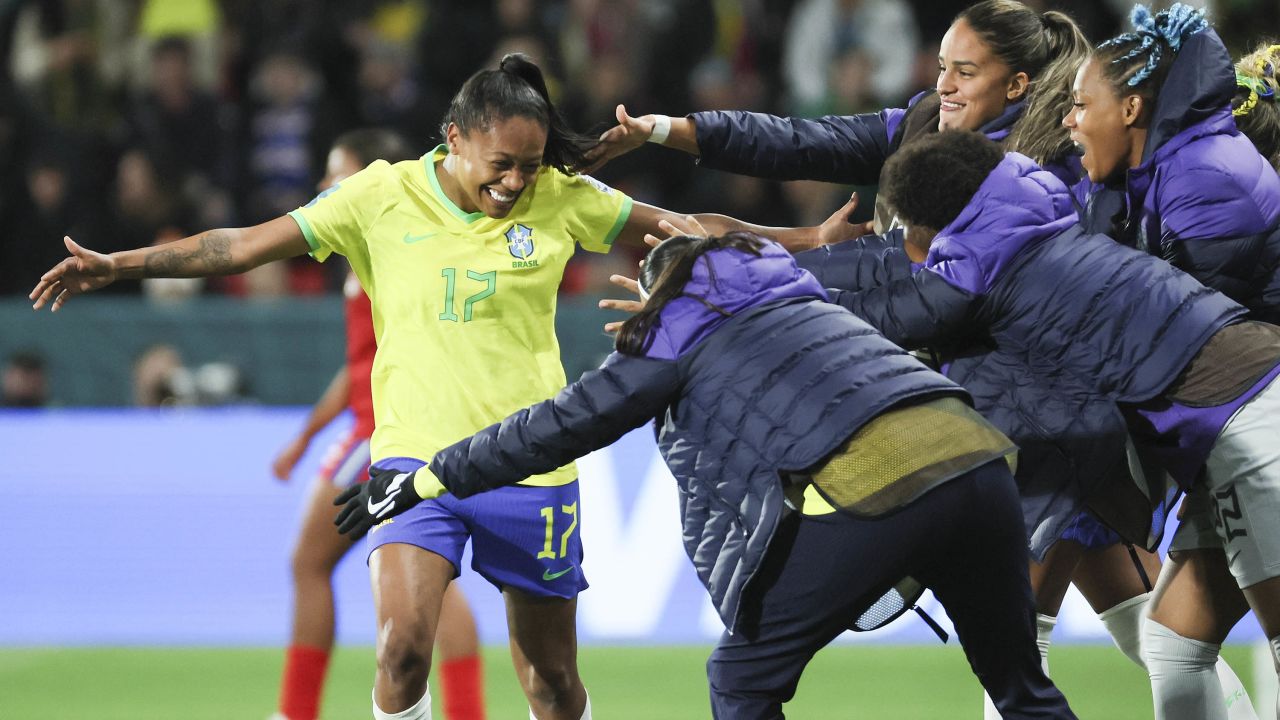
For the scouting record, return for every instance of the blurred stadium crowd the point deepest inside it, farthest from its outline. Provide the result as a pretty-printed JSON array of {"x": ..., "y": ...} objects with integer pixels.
[{"x": 128, "y": 122}]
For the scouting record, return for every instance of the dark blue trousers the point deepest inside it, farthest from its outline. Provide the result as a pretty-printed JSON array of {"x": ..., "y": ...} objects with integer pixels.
[{"x": 964, "y": 540}]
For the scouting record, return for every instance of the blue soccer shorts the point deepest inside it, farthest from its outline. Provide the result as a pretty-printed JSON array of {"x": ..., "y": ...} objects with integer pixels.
[{"x": 522, "y": 537}]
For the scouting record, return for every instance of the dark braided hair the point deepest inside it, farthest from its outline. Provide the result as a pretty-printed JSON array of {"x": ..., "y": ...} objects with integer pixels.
[
  {"x": 667, "y": 269},
  {"x": 516, "y": 89}
]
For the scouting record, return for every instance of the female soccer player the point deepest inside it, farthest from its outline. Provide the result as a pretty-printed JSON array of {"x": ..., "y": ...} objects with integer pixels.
[
  {"x": 1254, "y": 106},
  {"x": 770, "y": 400},
  {"x": 1093, "y": 321},
  {"x": 318, "y": 548},
  {"x": 1168, "y": 172},
  {"x": 461, "y": 254}
]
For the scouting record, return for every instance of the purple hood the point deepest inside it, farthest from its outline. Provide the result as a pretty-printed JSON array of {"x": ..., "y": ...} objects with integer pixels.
[
  {"x": 1018, "y": 205},
  {"x": 742, "y": 281}
]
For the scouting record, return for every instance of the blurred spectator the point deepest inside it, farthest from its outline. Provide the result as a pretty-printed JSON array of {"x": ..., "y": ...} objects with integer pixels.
[
  {"x": 391, "y": 97},
  {"x": 48, "y": 208},
  {"x": 54, "y": 58},
  {"x": 145, "y": 206},
  {"x": 23, "y": 383},
  {"x": 154, "y": 373},
  {"x": 196, "y": 22},
  {"x": 186, "y": 132},
  {"x": 282, "y": 129},
  {"x": 161, "y": 379},
  {"x": 821, "y": 32}
]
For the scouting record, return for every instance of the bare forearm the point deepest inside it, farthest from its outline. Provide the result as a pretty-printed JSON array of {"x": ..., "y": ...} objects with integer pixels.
[
  {"x": 196, "y": 256},
  {"x": 794, "y": 239},
  {"x": 683, "y": 136},
  {"x": 224, "y": 251}
]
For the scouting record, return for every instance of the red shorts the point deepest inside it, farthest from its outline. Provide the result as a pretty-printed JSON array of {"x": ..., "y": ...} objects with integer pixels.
[{"x": 346, "y": 462}]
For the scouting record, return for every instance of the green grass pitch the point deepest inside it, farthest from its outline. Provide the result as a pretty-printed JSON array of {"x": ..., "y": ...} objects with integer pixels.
[{"x": 626, "y": 683}]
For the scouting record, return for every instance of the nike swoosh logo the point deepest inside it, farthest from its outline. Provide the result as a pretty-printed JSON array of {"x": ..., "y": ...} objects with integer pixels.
[
  {"x": 378, "y": 509},
  {"x": 410, "y": 239},
  {"x": 548, "y": 575}
]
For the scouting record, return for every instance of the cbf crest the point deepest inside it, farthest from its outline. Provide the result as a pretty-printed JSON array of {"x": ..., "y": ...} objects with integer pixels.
[{"x": 520, "y": 241}]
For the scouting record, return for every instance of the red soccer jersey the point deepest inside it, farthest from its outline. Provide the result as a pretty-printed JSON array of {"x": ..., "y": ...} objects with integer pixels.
[{"x": 361, "y": 346}]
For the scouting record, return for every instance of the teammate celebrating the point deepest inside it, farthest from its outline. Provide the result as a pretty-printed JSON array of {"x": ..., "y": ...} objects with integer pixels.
[
  {"x": 318, "y": 549},
  {"x": 461, "y": 254}
]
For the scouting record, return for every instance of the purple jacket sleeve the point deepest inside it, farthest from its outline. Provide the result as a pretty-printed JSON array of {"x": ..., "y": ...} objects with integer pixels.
[
  {"x": 923, "y": 310},
  {"x": 602, "y": 406},
  {"x": 848, "y": 149}
]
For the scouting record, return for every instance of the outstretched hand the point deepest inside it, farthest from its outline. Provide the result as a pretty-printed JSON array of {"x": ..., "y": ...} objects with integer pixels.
[
  {"x": 629, "y": 134},
  {"x": 628, "y": 306},
  {"x": 689, "y": 225},
  {"x": 283, "y": 464},
  {"x": 837, "y": 228},
  {"x": 83, "y": 272}
]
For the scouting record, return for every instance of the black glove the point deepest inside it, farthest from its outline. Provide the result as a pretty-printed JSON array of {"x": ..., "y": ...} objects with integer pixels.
[{"x": 387, "y": 494}]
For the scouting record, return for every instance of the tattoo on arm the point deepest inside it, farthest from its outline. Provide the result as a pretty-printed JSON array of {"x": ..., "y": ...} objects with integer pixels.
[{"x": 211, "y": 257}]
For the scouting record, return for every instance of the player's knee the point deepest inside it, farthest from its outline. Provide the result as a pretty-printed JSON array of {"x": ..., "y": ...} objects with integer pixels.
[
  {"x": 1165, "y": 652},
  {"x": 404, "y": 654},
  {"x": 551, "y": 682},
  {"x": 307, "y": 564}
]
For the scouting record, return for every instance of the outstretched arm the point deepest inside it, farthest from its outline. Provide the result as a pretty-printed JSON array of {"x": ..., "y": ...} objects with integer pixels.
[
  {"x": 605, "y": 404},
  {"x": 225, "y": 251},
  {"x": 645, "y": 220},
  {"x": 838, "y": 148},
  {"x": 922, "y": 310},
  {"x": 632, "y": 132}
]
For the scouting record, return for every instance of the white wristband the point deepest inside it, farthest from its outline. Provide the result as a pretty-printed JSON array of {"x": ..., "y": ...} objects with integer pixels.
[{"x": 661, "y": 129}]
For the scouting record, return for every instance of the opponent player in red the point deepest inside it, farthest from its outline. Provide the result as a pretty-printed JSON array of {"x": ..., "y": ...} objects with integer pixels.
[{"x": 318, "y": 548}]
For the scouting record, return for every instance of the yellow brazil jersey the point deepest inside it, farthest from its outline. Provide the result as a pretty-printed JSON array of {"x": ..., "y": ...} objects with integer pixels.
[{"x": 463, "y": 304}]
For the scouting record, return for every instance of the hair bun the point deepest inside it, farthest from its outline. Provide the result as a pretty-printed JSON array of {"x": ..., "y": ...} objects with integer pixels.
[{"x": 1173, "y": 26}]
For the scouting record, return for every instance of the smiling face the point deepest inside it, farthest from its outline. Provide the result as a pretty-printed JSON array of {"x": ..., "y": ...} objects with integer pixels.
[
  {"x": 975, "y": 86},
  {"x": 488, "y": 169},
  {"x": 1104, "y": 125}
]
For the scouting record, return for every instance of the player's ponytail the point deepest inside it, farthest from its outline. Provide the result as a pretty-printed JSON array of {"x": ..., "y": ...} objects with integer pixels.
[
  {"x": 667, "y": 269},
  {"x": 1048, "y": 48},
  {"x": 516, "y": 89}
]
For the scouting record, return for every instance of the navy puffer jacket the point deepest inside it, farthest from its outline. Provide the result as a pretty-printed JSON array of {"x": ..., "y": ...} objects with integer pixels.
[
  {"x": 1203, "y": 198},
  {"x": 777, "y": 386},
  {"x": 1073, "y": 323}
]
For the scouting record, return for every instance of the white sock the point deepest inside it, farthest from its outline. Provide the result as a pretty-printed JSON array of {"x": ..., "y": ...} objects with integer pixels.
[
  {"x": 1275, "y": 650},
  {"x": 1044, "y": 634},
  {"x": 1184, "y": 684},
  {"x": 421, "y": 710},
  {"x": 586, "y": 711},
  {"x": 1124, "y": 622},
  {"x": 1235, "y": 697}
]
